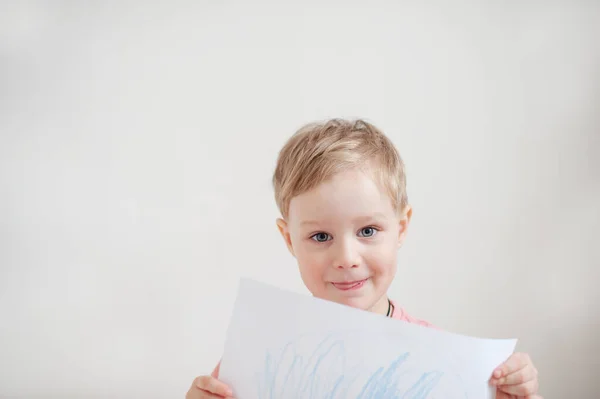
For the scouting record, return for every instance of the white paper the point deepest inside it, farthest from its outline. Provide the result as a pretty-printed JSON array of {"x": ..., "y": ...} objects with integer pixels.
[{"x": 286, "y": 345}]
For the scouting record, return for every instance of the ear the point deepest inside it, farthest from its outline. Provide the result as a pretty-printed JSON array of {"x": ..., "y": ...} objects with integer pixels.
[
  {"x": 285, "y": 233},
  {"x": 404, "y": 222}
]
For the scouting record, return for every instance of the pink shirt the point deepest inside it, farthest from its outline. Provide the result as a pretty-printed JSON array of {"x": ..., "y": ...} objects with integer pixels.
[{"x": 398, "y": 314}]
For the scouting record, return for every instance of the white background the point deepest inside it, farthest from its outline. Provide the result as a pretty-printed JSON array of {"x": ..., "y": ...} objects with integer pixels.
[{"x": 137, "y": 142}]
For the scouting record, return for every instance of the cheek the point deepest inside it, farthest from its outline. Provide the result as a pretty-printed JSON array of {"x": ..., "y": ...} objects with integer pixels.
[
  {"x": 309, "y": 259},
  {"x": 383, "y": 258},
  {"x": 313, "y": 270}
]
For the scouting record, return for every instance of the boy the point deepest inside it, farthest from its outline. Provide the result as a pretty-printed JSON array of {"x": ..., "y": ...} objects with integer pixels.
[{"x": 341, "y": 189}]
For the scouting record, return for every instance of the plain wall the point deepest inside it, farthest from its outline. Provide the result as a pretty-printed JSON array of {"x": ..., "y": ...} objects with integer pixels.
[{"x": 137, "y": 142}]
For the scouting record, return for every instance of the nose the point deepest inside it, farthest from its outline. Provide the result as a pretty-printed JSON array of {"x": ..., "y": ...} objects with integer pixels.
[{"x": 346, "y": 254}]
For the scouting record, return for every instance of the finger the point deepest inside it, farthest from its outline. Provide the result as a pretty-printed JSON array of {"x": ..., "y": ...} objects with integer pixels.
[
  {"x": 514, "y": 363},
  {"x": 215, "y": 372},
  {"x": 196, "y": 393},
  {"x": 212, "y": 385},
  {"x": 526, "y": 389},
  {"x": 522, "y": 376}
]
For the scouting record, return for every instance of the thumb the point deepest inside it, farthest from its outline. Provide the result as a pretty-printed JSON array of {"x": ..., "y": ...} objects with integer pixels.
[{"x": 215, "y": 373}]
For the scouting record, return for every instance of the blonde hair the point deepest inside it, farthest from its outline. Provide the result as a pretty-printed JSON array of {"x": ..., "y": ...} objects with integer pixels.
[{"x": 317, "y": 151}]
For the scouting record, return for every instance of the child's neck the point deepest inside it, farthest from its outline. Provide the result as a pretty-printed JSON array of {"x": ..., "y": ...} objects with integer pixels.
[{"x": 382, "y": 306}]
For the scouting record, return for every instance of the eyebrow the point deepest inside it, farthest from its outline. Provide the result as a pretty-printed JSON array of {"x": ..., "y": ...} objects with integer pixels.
[
  {"x": 308, "y": 222},
  {"x": 361, "y": 219},
  {"x": 377, "y": 216}
]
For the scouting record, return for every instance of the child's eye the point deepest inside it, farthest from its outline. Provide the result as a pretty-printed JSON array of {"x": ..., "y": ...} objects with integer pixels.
[
  {"x": 321, "y": 237},
  {"x": 367, "y": 232}
]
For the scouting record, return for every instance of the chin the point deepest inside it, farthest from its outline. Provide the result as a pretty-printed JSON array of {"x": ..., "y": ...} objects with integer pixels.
[{"x": 356, "y": 302}]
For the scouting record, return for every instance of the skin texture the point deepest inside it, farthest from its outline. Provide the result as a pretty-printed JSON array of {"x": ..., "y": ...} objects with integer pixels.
[{"x": 343, "y": 231}]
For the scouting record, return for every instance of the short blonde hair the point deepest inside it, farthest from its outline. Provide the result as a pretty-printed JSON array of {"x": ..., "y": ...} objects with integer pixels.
[{"x": 317, "y": 151}]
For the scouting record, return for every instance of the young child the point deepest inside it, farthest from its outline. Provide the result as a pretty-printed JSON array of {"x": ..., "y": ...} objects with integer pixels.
[{"x": 341, "y": 189}]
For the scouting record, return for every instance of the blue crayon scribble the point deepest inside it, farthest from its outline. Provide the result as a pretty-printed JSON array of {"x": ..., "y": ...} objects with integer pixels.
[{"x": 324, "y": 374}]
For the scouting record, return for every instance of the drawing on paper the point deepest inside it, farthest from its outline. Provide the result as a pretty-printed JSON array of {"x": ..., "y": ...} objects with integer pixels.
[{"x": 331, "y": 372}]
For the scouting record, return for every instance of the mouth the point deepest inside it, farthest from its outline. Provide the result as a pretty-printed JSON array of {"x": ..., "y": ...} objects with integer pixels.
[{"x": 349, "y": 285}]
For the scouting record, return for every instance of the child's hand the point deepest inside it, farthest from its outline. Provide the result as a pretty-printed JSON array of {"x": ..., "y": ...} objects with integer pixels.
[
  {"x": 208, "y": 387},
  {"x": 516, "y": 378}
]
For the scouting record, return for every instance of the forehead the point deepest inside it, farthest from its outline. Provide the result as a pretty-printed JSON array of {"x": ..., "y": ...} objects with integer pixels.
[{"x": 347, "y": 195}]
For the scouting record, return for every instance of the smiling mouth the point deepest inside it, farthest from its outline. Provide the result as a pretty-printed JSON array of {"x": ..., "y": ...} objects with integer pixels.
[{"x": 349, "y": 285}]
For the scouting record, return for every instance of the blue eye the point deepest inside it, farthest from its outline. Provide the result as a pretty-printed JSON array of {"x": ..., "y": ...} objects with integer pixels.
[
  {"x": 321, "y": 237},
  {"x": 368, "y": 232}
]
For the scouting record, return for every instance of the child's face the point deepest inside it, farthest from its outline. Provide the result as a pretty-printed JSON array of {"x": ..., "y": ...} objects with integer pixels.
[{"x": 345, "y": 235}]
